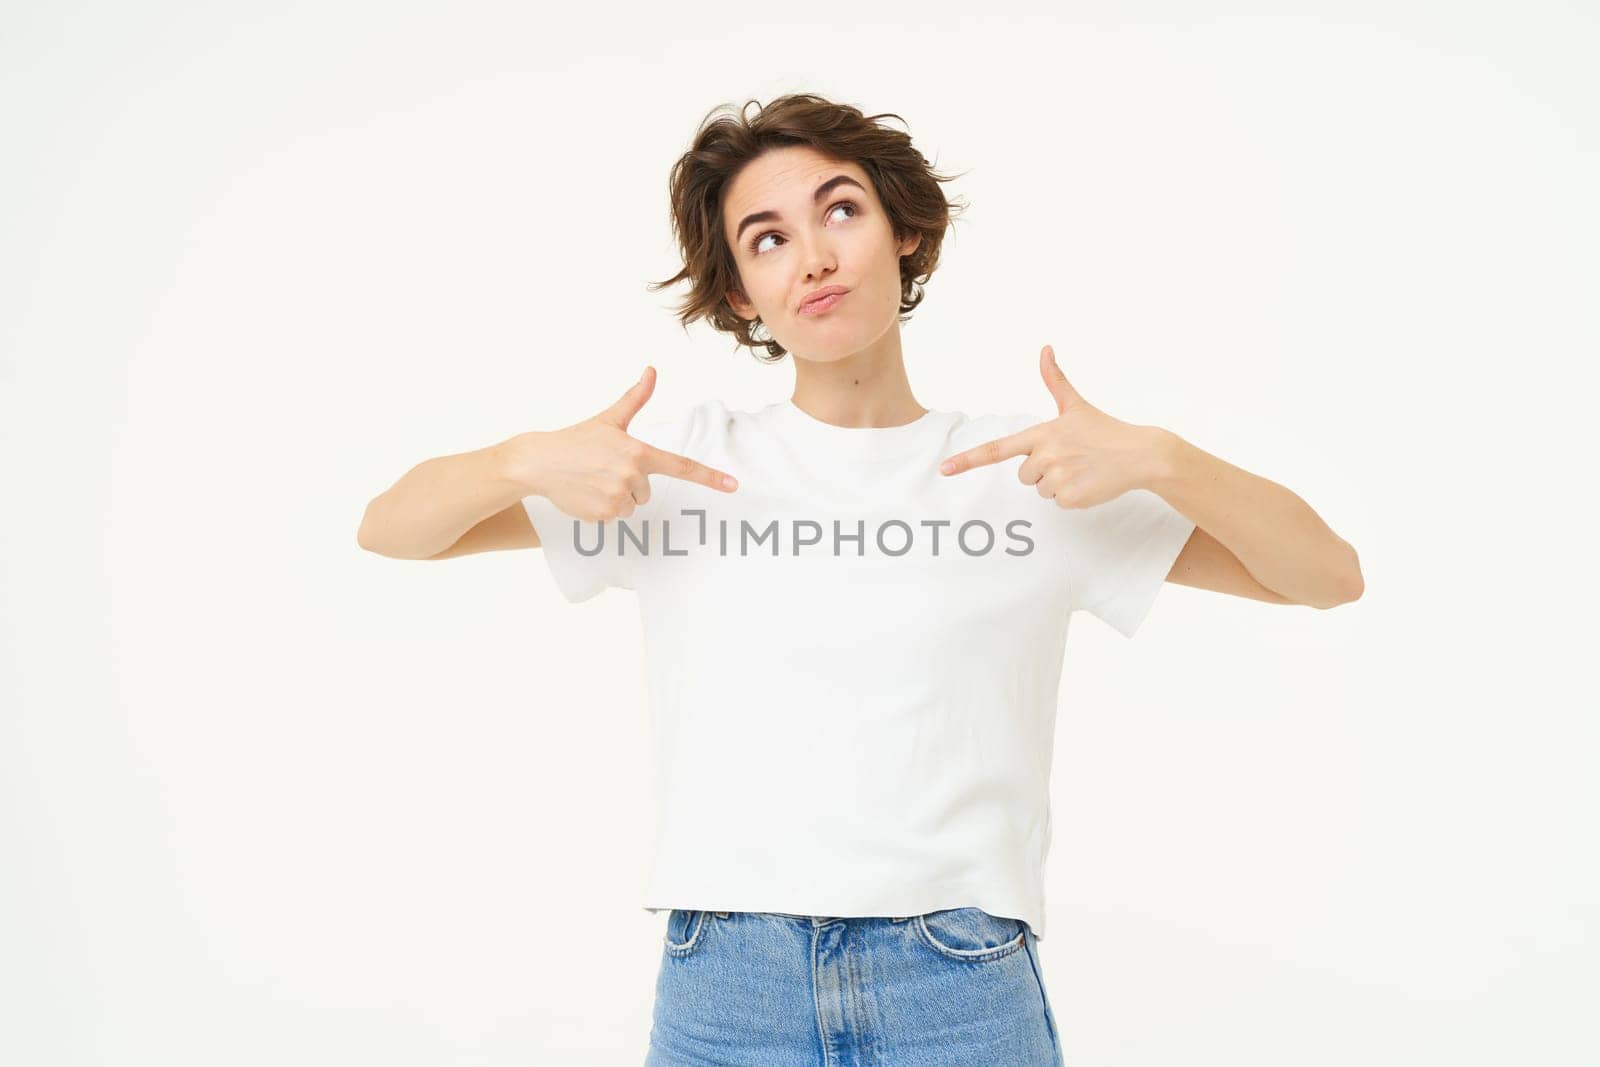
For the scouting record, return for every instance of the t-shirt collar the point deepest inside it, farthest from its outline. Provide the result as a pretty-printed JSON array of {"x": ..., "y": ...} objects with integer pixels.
[{"x": 810, "y": 434}]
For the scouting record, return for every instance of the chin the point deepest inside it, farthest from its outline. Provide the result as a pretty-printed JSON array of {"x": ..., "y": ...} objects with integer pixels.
[
  {"x": 826, "y": 353},
  {"x": 830, "y": 340}
]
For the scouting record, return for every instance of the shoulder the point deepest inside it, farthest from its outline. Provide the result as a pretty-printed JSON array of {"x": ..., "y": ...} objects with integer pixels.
[
  {"x": 678, "y": 427},
  {"x": 970, "y": 431}
]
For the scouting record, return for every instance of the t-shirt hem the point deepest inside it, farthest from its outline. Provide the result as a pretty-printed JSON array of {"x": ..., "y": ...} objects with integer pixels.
[{"x": 994, "y": 902}]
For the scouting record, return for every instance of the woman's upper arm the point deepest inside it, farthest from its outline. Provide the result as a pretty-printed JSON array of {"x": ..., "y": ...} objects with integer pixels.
[
  {"x": 508, "y": 528},
  {"x": 1206, "y": 563}
]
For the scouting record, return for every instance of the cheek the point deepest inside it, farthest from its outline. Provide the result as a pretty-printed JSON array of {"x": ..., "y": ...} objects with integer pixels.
[{"x": 759, "y": 297}]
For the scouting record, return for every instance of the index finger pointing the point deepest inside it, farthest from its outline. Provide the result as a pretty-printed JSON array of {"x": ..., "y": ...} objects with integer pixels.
[
  {"x": 660, "y": 461},
  {"x": 1015, "y": 444}
]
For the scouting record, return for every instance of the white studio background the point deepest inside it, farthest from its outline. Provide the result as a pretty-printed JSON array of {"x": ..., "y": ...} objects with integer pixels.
[{"x": 269, "y": 799}]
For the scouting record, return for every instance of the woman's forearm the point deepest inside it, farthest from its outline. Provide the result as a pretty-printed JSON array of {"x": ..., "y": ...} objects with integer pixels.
[
  {"x": 439, "y": 499},
  {"x": 1280, "y": 540}
]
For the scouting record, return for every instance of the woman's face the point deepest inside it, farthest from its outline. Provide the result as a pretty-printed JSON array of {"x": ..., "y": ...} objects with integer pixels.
[{"x": 821, "y": 232}]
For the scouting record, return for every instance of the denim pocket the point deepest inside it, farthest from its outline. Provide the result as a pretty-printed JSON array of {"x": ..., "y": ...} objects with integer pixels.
[
  {"x": 685, "y": 931},
  {"x": 970, "y": 934}
]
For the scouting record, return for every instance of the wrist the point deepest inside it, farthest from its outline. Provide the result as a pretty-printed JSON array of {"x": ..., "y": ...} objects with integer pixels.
[
  {"x": 518, "y": 462},
  {"x": 1164, "y": 453}
]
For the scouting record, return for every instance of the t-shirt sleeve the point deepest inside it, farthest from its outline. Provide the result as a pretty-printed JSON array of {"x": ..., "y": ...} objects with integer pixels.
[
  {"x": 586, "y": 558},
  {"x": 1119, "y": 554}
]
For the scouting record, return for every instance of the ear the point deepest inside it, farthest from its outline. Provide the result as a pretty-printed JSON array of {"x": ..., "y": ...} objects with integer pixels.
[
  {"x": 741, "y": 307},
  {"x": 910, "y": 244}
]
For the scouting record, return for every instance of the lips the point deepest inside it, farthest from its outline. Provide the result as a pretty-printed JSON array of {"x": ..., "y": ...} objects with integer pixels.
[{"x": 822, "y": 299}]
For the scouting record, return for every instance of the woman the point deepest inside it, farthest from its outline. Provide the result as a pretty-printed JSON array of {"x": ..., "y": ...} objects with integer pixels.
[{"x": 854, "y": 612}]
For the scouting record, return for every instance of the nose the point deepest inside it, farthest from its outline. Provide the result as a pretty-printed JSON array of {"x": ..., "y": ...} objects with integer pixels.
[{"x": 819, "y": 259}]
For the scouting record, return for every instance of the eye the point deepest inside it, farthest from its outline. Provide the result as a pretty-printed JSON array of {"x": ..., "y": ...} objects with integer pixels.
[{"x": 755, "y": 242}]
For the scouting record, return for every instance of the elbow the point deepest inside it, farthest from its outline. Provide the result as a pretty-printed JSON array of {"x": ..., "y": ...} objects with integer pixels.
[
  {"x": 1348, "y": 594},
  {"x": 370, "y": 539},
  {"x": 365, "y": 535},
  {"x": 1352, "y": 584},
  {"x": 1345, "y": 587}
]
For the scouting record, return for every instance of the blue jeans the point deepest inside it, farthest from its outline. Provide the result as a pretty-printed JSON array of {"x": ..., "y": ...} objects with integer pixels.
[{"x": 957, "y": 987}]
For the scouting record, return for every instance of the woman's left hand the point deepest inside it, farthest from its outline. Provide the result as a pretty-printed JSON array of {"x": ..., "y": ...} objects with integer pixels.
[{"x": 1080, "y": 458}]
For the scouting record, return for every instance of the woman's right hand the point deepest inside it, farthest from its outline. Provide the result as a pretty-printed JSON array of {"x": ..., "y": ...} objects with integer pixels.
[{"x": 595, "y": 470}]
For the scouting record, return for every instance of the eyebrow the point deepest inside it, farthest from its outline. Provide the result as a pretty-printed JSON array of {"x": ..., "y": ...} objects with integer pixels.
[{"x": 773, "y": 216}]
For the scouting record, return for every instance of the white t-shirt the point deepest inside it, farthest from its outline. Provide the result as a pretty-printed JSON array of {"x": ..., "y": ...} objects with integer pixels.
[{"x": 853, "y": 660}]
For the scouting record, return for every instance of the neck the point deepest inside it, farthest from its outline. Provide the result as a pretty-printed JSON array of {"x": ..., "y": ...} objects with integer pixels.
[{"x": 867, "y": 389}]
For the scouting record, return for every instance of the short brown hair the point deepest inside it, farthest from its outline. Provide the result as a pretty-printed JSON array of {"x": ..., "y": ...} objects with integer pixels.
[{"x": 904, "y": 181}]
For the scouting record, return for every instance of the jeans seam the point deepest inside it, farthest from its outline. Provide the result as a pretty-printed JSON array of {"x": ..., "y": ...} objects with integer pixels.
[
  {"x": 977, "y": 956},
  {"x": 686, "y": 947},
  {"x": 816, "y": 1000},
  {"x": 1044, "y": 999}
]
